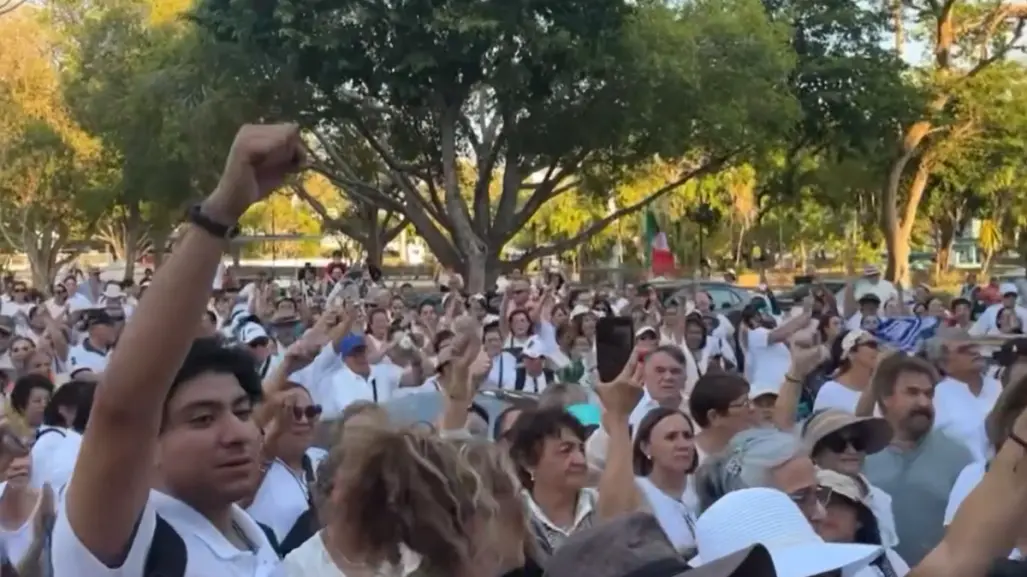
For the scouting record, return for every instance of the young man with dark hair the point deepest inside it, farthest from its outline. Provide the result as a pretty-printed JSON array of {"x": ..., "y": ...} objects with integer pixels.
[{"x": 171, "y": 444}]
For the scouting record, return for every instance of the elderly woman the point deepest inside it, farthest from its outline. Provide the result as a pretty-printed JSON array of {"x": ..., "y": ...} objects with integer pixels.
[
  {"x": 850, "y": 518},
  {"x": 839, "y": 441},
  {"x": 763, "y": 457}
]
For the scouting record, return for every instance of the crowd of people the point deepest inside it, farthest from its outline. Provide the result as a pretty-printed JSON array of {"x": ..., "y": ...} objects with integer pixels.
[{"x": 168, "y": 428}]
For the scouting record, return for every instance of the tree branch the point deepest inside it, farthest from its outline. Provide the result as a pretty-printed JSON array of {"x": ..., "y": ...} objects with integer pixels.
[
  {"x": 597, "y": 226},
  {"x": 7, "y": 6},
  {"x": 332, "y": 223}
]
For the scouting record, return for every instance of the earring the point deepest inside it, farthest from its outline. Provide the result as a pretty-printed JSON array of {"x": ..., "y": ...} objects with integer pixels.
[{"x": 648, "y": 457}]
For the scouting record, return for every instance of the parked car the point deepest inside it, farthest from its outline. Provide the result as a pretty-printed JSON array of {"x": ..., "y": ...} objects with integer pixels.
[
  {"x": 787, "y": 299},
  {"x": 426, "y": 407},
  {"x": 728, "y": 299}
]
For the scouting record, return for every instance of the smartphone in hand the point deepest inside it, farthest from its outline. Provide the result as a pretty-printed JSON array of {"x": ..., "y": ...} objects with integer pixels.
[{"x": 615, "y": 339}]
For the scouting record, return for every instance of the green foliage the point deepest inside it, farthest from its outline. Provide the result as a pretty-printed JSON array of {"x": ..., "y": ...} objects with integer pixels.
[{"x": 544, "y": 96}]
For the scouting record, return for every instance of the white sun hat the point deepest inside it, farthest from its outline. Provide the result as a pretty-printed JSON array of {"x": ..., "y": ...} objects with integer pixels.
[{"x": 770, "y": 518}]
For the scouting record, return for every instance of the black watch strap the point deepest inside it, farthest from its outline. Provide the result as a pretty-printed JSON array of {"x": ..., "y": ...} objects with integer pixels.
[{"x": 195, "y": 216}]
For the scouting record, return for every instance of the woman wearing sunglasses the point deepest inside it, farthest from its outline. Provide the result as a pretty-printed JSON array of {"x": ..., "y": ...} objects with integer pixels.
[
  {"x": 853, "y": 358},
  {"x": 282, "y": 500},
  {"x": 849, "y": 518},
  {"x": 840, "y": 442}
]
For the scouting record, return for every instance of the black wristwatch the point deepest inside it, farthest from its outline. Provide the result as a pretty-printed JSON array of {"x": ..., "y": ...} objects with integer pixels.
[{"x": 195, "y": 216}]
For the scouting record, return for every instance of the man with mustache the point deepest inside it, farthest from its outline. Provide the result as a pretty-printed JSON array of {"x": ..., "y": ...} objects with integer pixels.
[{"x": 922, "y": 463}]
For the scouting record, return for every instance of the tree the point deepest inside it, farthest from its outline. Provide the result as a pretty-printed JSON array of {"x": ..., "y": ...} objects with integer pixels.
[
  {"x": 853, "y": 94},
  {"x": 540, "y": 97},
  {"x": 52, "y": 175},
  {"x": 979, "y": 175},
  {"x": 966, "y": 39},
  {"x": 8, "y": 6},
  {"x": 126, "y": 64},
  {"x": 370, "y": 227}
]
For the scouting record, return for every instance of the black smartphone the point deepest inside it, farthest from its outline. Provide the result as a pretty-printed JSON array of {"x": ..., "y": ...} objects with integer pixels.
[{"x": 615, "y": 339}]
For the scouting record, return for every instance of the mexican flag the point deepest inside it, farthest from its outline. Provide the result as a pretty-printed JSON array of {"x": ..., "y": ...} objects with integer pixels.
[{"x": 661, "y": 260}]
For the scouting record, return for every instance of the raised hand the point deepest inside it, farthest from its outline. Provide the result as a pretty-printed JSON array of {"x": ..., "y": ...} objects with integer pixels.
[
  {"x": 621, "y": 396},
  {"x": 261, "y": 158}
]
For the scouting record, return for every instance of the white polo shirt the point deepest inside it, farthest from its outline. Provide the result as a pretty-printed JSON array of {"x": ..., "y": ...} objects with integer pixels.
[
  {"x": 283, "y": 495},
  {"x": 343, "y": 387},
  {"x": 49, "y": 453},
  {"x": 208, "y": 552},
  {"x": 85, "y": 356}
]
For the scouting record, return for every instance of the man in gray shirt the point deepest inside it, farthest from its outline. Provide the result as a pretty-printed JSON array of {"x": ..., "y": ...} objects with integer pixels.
[{"x": 921, "y": 465}]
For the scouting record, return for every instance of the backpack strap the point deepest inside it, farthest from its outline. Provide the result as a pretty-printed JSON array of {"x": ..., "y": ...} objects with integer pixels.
[
  {"x": 519, "y": 379},
  {"x": 40, "y": 433},
  {"x": 306, "y": 524},
  {"x": 270, "y": 534},
  {"x": 167, "y": 554}
]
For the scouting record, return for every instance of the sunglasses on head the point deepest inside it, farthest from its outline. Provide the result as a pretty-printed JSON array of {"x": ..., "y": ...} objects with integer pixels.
[
  {"x": 837, "y": 443},
  {"x": 311, "y": 412}
]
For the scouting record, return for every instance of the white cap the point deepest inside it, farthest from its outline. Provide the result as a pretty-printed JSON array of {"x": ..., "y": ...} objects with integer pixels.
[
  {"x": 534, "y": 350},
  {"x": 251, "y": 332},
  {"x": 112, "y": 291},
  {"x": 646, "y": 329},
  {"x": 760, "y": 388},
  {"x": 1008, "y": 288}
]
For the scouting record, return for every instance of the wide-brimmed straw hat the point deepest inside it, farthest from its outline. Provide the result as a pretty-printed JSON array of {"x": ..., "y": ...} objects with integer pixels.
[{"x": 875, "y": 431}]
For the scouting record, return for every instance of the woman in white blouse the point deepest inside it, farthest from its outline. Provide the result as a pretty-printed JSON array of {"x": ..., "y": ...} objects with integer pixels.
[
  {"x": 854, "y": 354},
  {"x": 665, "y": 456}
]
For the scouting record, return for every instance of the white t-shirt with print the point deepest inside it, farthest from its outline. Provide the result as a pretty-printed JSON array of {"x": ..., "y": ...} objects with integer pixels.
[{"x": 208, "y": 551}]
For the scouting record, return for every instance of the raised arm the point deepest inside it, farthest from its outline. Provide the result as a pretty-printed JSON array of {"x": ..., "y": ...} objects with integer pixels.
[
  {"x": 989, "y": 520},
  {"x": 618, "y": 493},
  {"x": 111, "y": 482}
]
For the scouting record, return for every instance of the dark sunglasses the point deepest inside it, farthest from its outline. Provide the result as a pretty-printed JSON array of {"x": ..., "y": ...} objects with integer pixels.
[
  {"x": 311, "y": 412},
  {"x": 838, "y": 443}
]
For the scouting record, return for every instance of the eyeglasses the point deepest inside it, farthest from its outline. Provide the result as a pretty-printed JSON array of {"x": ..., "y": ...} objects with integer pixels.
[
  {"x": 812, "y": 495},
  {"x": 867, "y": 344},
  {"x": 311, "y": 412},
  {"x": 745, "y": 403},
  {"x": 838, "y": 443}
]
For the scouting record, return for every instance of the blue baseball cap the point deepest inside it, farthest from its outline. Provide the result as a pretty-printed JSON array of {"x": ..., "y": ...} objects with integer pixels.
[{"x": 350, "y": 343}]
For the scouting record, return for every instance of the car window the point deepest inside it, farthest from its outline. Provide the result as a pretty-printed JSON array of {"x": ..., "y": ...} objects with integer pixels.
[{"x": 723, "y": 298}]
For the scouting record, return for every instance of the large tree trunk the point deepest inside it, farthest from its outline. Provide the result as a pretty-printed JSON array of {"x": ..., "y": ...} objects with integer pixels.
[
  {"x": 897, "y": 233},
  {"x": 946, "y": 235}
]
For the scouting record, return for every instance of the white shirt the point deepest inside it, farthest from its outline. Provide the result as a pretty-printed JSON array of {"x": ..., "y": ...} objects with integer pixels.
[
  {"x": 311, "y": 559},
  {"x": 284, "y": 495},
  {"x": 208, "y": 551},
  {"x": 58, "y": 466},
  {"x": 47, "y": 455},
  {"x": 85, "y": 356},
  {"x": 968, "y": 479},
  {"x": 884, "y": 290},
  {"x": 898, "y": 564},
  {"x": 766, "y": 363},
  {"x": 17, "y": 541},
  {"x": 961, "y": 414},
  {"x": 987, "y": 322},
  {"x": 834, "y": 395},
  {"x": 345, "y": 387},
  {"x": 676, "y": 516},
  {"x": 503, "y": 372}
]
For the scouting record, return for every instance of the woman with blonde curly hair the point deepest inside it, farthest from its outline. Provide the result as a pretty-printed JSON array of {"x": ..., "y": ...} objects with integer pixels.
[{"x": 407, "y": 502}]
